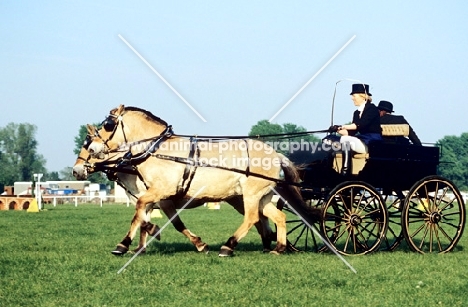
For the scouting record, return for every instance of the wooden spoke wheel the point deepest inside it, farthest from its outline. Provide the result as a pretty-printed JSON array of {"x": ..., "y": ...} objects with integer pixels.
[
  {"x": 394, "y": 236},
  {"x": 301, "y": 238},
  {"x": 433, "y": 216},
  {"x": 355, "y": 218}
]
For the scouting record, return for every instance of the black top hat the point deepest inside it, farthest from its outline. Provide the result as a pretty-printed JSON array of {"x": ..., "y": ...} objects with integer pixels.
[
  {"x": 360, "y": 89},
  {"x": 385, "y": 106}
]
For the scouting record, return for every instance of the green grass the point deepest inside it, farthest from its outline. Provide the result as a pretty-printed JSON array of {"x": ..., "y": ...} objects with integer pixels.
[{"x": 61, "y": 257}]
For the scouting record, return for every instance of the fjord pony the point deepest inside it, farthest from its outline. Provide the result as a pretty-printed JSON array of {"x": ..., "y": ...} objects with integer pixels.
[
  {"x": 135, "y": 187},
  {"x": 179, "y": 168}
]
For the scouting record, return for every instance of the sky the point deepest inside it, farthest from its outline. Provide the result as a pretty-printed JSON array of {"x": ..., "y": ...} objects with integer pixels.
[{"x": 64, "y": 64}]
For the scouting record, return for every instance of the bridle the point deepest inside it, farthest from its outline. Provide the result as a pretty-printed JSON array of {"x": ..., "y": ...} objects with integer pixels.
[
  {"x": 109, "y": 124},
  {"x": 87, "y": 141},
  {"x": 126, "y": 163}
]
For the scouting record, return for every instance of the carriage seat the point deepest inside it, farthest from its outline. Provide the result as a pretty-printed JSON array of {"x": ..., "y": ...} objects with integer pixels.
[
  {"x": 395, "y": 130},
  {"x": 359, "y": 159}
]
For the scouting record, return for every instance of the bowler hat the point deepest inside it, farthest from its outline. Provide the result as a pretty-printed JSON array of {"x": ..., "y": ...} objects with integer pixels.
[
  {"x": 385, "y": 106},
  {"x": 360, "y": 89}
]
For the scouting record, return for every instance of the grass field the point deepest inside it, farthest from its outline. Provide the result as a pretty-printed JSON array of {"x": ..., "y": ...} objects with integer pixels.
[{"x": 61, "y": 257}]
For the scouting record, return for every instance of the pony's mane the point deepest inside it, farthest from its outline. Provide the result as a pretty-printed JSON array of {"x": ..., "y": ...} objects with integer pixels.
[{"x": 147, "y": 113}]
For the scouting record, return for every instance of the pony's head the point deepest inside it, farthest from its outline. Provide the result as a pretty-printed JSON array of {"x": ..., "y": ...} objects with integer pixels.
[
  {"x": 123, "y": 126},
  {"x": 84, "y": 163}
]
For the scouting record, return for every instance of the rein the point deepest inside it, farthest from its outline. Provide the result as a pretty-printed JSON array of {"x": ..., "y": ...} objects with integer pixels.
[{"x": 258, "y": 136}]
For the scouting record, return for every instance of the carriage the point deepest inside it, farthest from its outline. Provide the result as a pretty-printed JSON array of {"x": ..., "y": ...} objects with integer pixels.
[{"x": 392, "y": 194}]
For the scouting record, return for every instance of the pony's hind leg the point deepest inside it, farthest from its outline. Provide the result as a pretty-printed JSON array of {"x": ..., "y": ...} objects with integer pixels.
[
  {"x": 140, "y": 220},
  {"x": 251, "y": 216},
  {"x": 266, "y": 209},
  {"x": 279, "y": 218},
  {"x": 263, "y": 227},
  {"x": 266, "y": 233}
]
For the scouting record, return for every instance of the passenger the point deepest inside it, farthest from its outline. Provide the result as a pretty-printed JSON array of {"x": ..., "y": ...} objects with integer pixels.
[
  {"x": 365, "y": 127},
  {"x": 385, "y": 108}
]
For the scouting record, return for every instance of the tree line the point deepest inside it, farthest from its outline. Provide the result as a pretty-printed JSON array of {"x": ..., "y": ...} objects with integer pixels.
[
  {"x": 19, "y": 158},
  {"x": 454, "y": 159}
]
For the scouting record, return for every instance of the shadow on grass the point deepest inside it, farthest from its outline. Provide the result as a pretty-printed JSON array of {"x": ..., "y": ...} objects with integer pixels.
[{"x": 171, "y": 248}]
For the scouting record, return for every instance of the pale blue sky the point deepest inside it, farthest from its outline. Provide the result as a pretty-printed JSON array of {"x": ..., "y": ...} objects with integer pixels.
[{"x": 62, "y": 64}]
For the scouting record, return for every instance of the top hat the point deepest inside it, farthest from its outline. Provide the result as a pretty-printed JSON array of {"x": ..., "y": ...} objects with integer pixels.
[
  {"x": 360, "y": 89},
  {"x": 385, "y": 106}
]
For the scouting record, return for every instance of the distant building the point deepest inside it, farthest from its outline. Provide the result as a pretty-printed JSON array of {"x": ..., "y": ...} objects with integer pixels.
[{"x": 52, "y": 187}]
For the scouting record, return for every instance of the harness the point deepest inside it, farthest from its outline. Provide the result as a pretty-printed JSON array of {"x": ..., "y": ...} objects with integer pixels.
[
  {"x": 129, "y": 162},
  {"x": 189, "y": 171}
]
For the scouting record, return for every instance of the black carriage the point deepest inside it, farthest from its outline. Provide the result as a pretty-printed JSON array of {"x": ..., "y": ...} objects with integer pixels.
[{"x": 393, "y": 194}]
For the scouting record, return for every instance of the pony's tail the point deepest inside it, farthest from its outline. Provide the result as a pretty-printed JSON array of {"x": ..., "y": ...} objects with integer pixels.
[{"x": 291, "y": 192}]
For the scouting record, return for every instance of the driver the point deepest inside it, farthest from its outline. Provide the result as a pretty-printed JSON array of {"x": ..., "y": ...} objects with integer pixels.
[{"x": 365, "y": 127}]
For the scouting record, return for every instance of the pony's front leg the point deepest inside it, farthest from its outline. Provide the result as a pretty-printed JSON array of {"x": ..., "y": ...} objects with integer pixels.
[
  {"x": 151, "y": 229},
  {"x": 140, "y": 220},
  {"x": 141, "y": 248},
  {"x": 170, "y": 211}
]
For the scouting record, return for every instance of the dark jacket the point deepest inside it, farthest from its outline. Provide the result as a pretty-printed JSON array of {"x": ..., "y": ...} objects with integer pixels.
[
  {"x": 389, "y": 119},
  {"x": 368, "y": 125}
]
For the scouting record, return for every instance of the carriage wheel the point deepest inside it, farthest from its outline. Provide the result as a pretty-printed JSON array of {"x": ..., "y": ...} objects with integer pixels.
[
  {"x": 433, "y": 216},
  {"x": 300, "y": 237},
  {"x": 355, "y": 218},
  {"x": 394, "y": 236}
]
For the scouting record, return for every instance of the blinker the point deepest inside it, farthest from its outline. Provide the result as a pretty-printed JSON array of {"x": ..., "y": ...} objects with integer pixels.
[
  {"x": 87, "y": 142},
  {"x": 108, "y": 124}
]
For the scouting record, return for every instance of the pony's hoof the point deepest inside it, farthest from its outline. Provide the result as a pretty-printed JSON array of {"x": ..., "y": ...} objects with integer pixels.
[
  {"x": 267, "y": 250},
  {"x": 279, "y": 249},
  {"x": 203, "y": 248},
  {"x": 225, "y": 251},
  {"x": 120, "y": 250}
]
